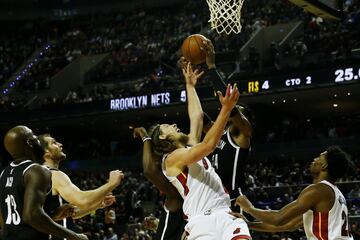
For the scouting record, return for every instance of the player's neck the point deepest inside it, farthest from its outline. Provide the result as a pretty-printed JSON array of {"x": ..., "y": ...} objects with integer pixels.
[
  {"x": 51, "y": 164},
  {"x": 321, "y": 177}
]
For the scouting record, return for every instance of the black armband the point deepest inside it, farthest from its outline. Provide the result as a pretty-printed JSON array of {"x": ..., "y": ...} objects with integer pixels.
[{"x": 217, "y": 80}]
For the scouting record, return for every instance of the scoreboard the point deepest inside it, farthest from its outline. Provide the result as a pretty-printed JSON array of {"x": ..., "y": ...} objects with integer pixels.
[
  {"x": 302, "y": 80},
  {"x": 253, "y": 86}
]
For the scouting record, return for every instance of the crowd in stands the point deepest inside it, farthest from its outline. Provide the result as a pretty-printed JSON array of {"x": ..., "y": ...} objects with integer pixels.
[
  {"x": 139, "y": 42},
  {"x": 299, "y": 131},
  {"x": 17, "y": 42}
]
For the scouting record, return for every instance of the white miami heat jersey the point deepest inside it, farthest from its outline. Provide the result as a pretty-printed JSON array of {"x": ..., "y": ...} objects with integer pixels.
[
  {"x": 332, "y": 225},
  {"x": 201, "y": 188}
]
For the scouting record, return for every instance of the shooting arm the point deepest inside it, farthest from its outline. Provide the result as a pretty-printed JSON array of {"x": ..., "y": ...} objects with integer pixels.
[
  {"x": 196, "y": 114},
  {"x": 37, "y": 181},
  {"x": 72, "y": 194},
  {"x": 195, "y": 111}
]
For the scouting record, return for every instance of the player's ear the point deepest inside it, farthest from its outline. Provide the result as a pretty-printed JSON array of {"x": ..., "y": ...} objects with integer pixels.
[
  {"x": 46, "y": 154},
  {"x": 162, "y": 137},
  {"x": 324, "y": 166}
]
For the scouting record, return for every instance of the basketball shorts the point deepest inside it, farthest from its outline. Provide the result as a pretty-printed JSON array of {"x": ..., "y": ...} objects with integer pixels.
[
  {"x": 215, "y": 225},
  {"x": 171, "y": 225}
]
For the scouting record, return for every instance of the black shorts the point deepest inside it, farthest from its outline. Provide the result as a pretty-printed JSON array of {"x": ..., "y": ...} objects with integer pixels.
[{"x": 171, "y": 225}]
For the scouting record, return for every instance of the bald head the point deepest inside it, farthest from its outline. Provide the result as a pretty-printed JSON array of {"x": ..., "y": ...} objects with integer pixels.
[{"x": 21, "y": 143}]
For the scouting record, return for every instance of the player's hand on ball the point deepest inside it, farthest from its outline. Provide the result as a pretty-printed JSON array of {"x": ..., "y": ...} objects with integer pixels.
[
  {"x": 244, "y": 203},
  {"x": 139, "y": 132},
  {"x": 231, "y": 97},
  {"x": 115, "y": 177},
  {"x": 208, "y": 48},
  {"x": 190, "y": 75}
]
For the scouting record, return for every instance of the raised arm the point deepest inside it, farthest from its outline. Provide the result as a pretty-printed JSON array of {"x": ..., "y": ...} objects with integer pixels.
[
  {"x": 37, "y": 182},
  {"x": 153, "y": 172},
  {"x": 82, "y": 199},
  {"x": 213, "y": 75},
  {"x": 307, "y": 200},
  {"x": 195, "y": 111},
  {"x": 181, "y": 157},
  {"x": 241, "y": 127}
]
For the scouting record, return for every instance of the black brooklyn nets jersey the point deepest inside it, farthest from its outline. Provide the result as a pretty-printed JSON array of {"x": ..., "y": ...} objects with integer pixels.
[
  {"x": 171, "y": 225},
  {"x": 52, "y": 202},
  {"x": 229, "y": 161},
  {"x": 12, "y": 203}
]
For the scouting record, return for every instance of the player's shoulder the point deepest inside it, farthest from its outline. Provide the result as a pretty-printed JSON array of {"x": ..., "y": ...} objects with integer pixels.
[
  {"x": 37, "y": 168},
  {"x": 176, "y": 152},
  {"x": 38, "y": 171},
  {"x": 59, "y": 175},
  {"x": 320, "y": 189}
]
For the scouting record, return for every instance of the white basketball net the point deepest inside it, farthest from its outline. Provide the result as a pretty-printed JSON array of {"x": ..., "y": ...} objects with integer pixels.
[{"x": 225, "y": 15}]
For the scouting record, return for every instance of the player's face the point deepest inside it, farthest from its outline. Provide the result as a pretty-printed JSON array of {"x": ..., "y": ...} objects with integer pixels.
[
  {"x": 169, "y": 130},
  {"x": 35, "y": 145},
  {"x": 319, "y": 163},
  {"x": 54, "y": 149}
]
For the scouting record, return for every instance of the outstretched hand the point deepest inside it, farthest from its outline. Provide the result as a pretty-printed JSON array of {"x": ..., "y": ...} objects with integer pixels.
[
  {"x": 244, "y": 203},
  {"x": 64, "y": 211},
  {"x": 190, "y": 75},
  {"x": 231, "y": 97}
]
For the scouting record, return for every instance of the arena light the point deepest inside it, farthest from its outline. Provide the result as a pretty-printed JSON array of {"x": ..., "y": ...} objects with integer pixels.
[
  {"x": 28, "y": 67},
  {"x": 335, "y": 105}
]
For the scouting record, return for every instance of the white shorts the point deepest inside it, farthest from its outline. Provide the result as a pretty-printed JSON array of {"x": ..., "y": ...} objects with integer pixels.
[{"x": 216, "y": 225}]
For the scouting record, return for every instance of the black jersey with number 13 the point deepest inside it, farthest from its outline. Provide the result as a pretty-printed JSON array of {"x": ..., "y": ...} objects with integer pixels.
[{"x": 12, "y": 202}]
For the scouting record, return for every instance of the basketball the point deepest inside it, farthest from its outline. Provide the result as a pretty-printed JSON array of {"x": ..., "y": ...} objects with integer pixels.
[{"x": 191, "y": 49}]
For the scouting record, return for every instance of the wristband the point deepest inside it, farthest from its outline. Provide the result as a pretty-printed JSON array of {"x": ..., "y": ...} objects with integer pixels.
[{"x": 146, "y": 138}]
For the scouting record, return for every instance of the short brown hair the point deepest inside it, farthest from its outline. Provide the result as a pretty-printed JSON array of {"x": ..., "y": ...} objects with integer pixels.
[{"x": 43, "y": 142}]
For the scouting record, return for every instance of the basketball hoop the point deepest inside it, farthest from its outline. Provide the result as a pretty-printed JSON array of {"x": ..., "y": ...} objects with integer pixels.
[{"x": 225, "y": 15}]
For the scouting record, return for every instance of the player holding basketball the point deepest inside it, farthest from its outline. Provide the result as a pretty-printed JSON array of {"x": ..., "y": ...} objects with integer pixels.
[
  {"x": 25, "y": 186},
  {"x": 231, "y": 154},
  {"x": 320, "y": 208},
  {"x": 172, "y": 223},
  {"x": 206, "y": 203},
  {"x": 63, "y": 188}
]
